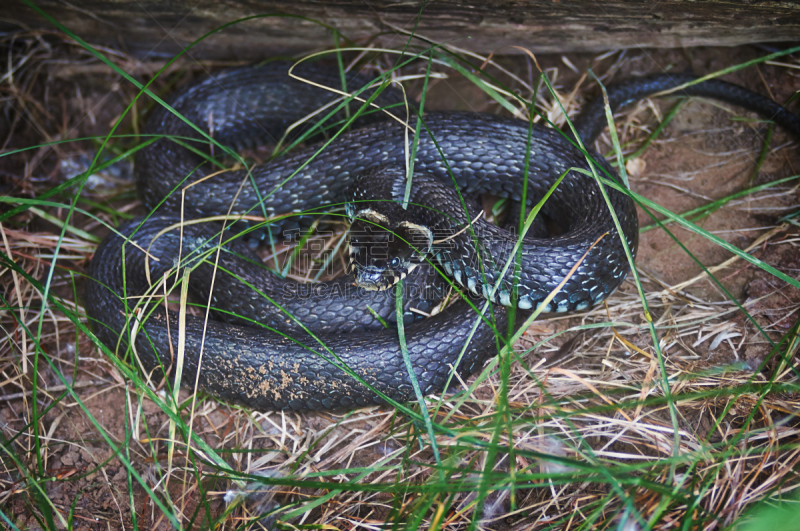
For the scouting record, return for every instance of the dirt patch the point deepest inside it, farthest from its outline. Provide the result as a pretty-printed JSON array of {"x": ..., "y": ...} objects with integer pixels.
[{"x": 773, "y": 305}]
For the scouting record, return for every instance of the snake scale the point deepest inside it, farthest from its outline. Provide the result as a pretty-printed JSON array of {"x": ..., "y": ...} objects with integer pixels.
[{"x": 274, "y": 344}]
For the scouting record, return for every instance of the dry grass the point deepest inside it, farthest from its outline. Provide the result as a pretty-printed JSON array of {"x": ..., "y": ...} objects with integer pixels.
[{"x": 580, "y": 434}]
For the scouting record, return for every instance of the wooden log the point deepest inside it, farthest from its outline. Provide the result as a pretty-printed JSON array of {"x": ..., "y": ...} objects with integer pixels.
[{"x": 157, "y": 28}]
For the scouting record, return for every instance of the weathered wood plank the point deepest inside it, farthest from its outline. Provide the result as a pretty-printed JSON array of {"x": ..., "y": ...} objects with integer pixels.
[{"x": 165, "y": 27}]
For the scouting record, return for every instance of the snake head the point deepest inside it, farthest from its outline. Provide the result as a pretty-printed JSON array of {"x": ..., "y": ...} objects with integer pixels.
[{"x": 382, "y": 253}]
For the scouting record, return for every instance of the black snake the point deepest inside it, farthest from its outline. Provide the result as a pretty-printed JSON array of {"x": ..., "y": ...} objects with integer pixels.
[{"x": 313, "y": 364}]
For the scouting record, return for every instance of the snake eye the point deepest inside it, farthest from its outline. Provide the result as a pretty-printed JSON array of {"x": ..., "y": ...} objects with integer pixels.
[{"x": 395, "y": 263}]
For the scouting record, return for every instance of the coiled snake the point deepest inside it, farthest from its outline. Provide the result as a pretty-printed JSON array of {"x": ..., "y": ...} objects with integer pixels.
[{"x": 314, "y": 364}]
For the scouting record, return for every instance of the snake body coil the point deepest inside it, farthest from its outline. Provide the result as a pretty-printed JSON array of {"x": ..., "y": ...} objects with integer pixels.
[{"x": 320, "y": 367}]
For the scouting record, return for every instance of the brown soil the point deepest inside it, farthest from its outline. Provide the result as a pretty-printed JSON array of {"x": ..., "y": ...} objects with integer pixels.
[{"x": 705, "y": 154}]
